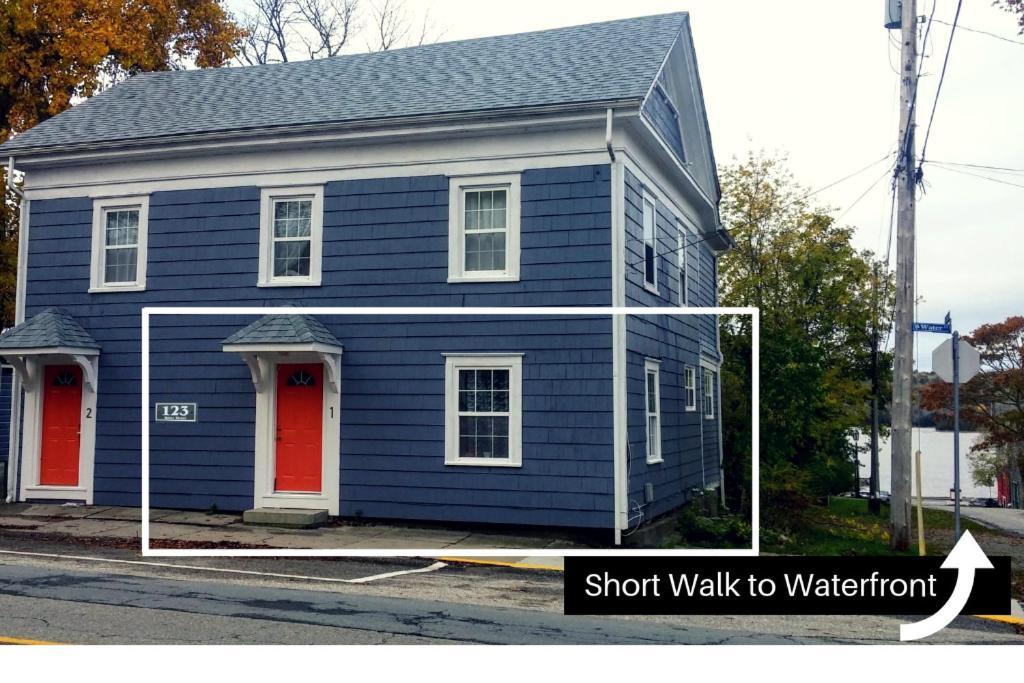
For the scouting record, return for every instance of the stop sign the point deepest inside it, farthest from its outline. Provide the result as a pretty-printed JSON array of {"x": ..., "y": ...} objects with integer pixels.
[{"x": 942, "y": 361}]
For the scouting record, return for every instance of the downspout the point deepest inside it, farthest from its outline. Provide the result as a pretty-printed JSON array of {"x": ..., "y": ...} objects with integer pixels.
[
  {"x": 14, "y": 441},
  {"x": 608, "y": 134},
  {"x": 618, "y": 287}
]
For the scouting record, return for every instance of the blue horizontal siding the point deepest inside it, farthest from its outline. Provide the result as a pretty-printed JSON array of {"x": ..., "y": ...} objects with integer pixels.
[
  {"x": 676, "y": 341},
  {"x": 392, "y": 416},
  {"x": 6, "y": 377},
  {"x": 385, "y": 244}
]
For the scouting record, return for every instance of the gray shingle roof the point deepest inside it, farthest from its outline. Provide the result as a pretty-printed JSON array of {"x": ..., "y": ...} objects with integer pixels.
[
  {"x": 284, "y": 329},
  {"x": 615, "y": 60},
  {"x": 53, "y": 328}
]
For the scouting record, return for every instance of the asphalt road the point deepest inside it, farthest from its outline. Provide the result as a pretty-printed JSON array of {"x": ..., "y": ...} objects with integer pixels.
[
  {"x": 90, "y": 607},
  {"x": 119, "y": 597}
]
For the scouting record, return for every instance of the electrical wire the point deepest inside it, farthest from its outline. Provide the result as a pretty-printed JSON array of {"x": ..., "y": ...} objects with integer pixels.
[
  {"x": 985, "y": 33},
  {"x": 1000, "y": 169},
  {"x": 942, "y": 79},
  {"x": 689, "y": 243},
  {"x": 976, "y": 175}
]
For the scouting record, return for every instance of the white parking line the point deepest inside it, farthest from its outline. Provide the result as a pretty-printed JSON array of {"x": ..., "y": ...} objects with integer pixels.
[{"x": 364, "y": 579}]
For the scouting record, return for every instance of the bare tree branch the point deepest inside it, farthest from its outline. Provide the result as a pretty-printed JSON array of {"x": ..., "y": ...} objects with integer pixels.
[
  {"x": 333, "y": 21},
  {"x": 390, "y": 25}
]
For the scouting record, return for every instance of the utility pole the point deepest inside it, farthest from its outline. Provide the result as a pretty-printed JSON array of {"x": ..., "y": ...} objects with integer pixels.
[
  {"x": 873, "y": 503},
  {"x": 902, "y": 387}
]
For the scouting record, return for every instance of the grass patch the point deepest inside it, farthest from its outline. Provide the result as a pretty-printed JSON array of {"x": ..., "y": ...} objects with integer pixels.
[{"x": 846, "y": 527}]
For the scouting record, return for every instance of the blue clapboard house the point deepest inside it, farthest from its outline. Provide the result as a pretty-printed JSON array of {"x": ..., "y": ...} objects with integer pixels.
[{"x": 569, "y": 168}]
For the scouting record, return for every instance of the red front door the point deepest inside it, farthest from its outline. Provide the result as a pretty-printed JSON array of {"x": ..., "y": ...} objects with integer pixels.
[
  {"x": 299, "y": 451},
  {"x": 62, "y": 425}
]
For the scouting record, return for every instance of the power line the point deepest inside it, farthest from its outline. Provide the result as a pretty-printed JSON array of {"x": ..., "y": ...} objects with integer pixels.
[
  {"x": 976, "y": 175},
  {"x": 904, "y": 149},
  {"x": 863, "y": 194},
  {"x": 942, "y": 78},
  {"x": 985, "y": 33},
  {"x": 1004, "y": 169},
  {"x": 689, "y": 243}
]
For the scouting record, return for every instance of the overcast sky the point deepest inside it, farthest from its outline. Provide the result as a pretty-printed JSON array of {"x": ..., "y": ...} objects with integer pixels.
[{"x": 815, "y": 79}]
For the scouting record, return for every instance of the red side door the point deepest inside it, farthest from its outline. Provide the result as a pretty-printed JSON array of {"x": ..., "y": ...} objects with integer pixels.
[
  {"x": 299, "y": 445},
  {"x": 62, "y": 425}
]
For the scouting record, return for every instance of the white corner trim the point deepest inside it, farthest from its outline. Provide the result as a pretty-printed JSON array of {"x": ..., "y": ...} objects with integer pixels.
[
  {"x": 653, "y": 365},
  {"x": 99, "y": 251},
  {"x": 457, "y": 187},
  {"x": 14, "y": 441},
  {"x": 620, "y": 422},
  {"x": 510, "y": 362},
  {"x": 269, "y": 195}
]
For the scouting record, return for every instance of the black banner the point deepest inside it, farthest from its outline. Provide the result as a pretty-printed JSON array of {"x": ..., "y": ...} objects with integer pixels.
[{"x": 776, "y": 585}]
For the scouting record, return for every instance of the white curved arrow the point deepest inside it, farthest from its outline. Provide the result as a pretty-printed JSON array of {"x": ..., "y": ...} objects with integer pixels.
[{"x": 966, "y": 556}]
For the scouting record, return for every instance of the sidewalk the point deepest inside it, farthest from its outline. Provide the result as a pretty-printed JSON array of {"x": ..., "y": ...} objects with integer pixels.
[
  {"x": 1004, "y": 519},
  {"x": 189, "y": 529}
]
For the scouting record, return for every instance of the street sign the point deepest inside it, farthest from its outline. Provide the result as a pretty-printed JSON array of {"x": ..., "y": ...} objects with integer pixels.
[
  {"x": 941, "y": 328},
  {"x": 176, "y": 412},
  {"x": 942, "y": 361}
]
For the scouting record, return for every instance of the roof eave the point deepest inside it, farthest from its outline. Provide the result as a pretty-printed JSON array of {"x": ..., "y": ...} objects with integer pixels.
[{"x": 31, "y": 154}]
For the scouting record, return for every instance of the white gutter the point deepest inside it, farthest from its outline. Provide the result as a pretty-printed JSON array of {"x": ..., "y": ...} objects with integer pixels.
[
  {"x": 14, "y": 443},
  {"x": 11, "y": 187},
  {"x": 608, "y": 134}
]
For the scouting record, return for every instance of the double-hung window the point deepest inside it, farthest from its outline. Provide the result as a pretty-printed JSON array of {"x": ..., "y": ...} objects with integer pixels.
[
  {"x": 652, "y": 409},
  {"x": 690, "y": 388},
  {"x": 650, "y": 244},
  {"x": 484, "y": 228},
  {"x": 291, "y": 236},
  {"x": 483, "y": 410},
  {"x": 709, "y": 395},
  {"x": 119, "y": 235},
  {"x": 681, "y": 247}
]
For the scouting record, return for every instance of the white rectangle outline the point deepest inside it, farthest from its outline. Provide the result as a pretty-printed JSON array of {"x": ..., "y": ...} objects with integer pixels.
[{"x": 755, "y": 522}]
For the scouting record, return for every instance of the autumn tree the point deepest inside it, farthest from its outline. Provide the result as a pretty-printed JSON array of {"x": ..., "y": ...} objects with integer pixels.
[
  {"x": 57, "y": 52},
  {"x": 993, "y": 400},
  {"x": 797, "y": 264}
]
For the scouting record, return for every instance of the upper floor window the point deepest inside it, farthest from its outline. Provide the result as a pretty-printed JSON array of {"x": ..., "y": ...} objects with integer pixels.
[
  {"x": 483, "y": 231},
  {"x": 119, "y": 235},
  {"x": 681, "y": 247},
  {"x": 650, "y": 245},
  {"x": 652, "y": 405},
  {"x": 483, "y": 410},
  {"x": 291, "y": 236}
]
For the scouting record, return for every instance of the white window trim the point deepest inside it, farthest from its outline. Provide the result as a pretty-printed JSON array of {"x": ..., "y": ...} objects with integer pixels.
[
  {"x": 97, "y": 263},
  {"x": 690, "y": 389},
  {"x": 709, "y": 395},
  {"x": 652, "y": 365},
  {"x": 683, "y": 263},
  {"x": 457, "y": 187},
  {"x": 649, "y": 198},
  {"x": 268, "y": 196},
  {"x": 512, "y": 363}
]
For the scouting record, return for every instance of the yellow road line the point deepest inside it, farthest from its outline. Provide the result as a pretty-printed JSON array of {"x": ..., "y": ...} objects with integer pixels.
[
  {"x": 498, "y": 563},
  {"x": 1003, "y": 618},
  {"x": 26, "y": 641}
]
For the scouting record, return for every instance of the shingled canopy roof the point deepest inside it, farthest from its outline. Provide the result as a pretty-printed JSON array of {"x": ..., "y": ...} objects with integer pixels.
[
  {"x": 51, "y": 329},
  {"x": 283, "y": 329},
  {"x": 615, "y": 61}
]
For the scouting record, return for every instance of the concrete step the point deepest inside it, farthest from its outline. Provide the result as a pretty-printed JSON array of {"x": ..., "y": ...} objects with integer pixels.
[{"x": 286, "y": 518}]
